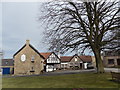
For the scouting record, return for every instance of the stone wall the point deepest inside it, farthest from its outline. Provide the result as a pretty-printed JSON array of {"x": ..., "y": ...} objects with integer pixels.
[{"x": 28, "y": 67}]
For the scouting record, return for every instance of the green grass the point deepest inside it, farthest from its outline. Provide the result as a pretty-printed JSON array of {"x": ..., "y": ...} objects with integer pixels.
[{"x": 84, "y": 80}]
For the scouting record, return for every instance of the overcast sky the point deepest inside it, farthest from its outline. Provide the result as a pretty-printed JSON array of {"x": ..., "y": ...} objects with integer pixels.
[
  {"x": 0, "y": 26},
  {"x": 19, "y": 22}
]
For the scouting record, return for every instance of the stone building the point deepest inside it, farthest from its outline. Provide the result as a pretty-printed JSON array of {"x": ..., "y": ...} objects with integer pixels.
[
  {"x": 28, "y": 60},
  {"x": 111, "y": 59},
  {"x": 75, "y": 62}
]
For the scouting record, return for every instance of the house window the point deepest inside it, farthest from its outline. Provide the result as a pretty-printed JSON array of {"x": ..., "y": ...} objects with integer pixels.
[
  {"x": 65, "y": 65},
  {"x": 71, "y": 64},
  {"x": 62, "y": 65},
  {"x": 75, "y": 59},
  {"x": 32, "y": 59},
  {"x": 76, "y": 64},
  {"x": 50, "y": 66},
  {"x": 32, "y": 69},
  {"x": 6, "y": 62},
  {"x": 110, "y": 61},
  {"x": 23, "y": 57}
]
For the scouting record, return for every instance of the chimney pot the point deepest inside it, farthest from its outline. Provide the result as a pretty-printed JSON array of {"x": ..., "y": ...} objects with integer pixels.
[{"x": 27, "y": 42}]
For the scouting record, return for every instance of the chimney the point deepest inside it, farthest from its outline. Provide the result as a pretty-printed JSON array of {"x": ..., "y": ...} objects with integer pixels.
[{"x": 27, "y": 42}]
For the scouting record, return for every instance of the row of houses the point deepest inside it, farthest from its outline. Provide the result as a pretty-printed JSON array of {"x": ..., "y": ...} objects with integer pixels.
[{"x": 28, "y": 60}]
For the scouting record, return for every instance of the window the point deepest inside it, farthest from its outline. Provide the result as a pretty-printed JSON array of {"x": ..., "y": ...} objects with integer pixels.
[
  {"x": 75, "y": 59},
  {"x": 62, "y": 65},
  {"x": 76, "y": 64},
  {"x": 71, "y": 64},
  {"x": 6, "y": 62},
  {"x": 23, "y": 57},
  {"x": 65, "y": 65},
  {"x": 110, "y": 61},
  {"x": 32, "y": 69},
  {"x": 50, "y": 66},
  {"x": 32, "y": 59}
]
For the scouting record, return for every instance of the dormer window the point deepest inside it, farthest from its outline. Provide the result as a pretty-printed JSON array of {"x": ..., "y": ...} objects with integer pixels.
[{"x": 32, "y": 59}]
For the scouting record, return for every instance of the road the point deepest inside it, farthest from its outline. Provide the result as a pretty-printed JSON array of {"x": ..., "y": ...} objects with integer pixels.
[
  {"x": 63, "y": 72},
  {"x": 112, "y": 69}
]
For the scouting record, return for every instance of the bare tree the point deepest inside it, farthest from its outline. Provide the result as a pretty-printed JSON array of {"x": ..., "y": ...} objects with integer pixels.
[{"x": 82, "y": 25}]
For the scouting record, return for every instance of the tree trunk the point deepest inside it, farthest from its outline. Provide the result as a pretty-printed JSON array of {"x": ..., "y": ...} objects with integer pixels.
[{"x": 99, "y": 63}]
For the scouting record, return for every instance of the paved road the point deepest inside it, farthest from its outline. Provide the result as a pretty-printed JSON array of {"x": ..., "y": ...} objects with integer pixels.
[
  {"x": 112, "y": 69},
  {"x": 63, "y": 72}
]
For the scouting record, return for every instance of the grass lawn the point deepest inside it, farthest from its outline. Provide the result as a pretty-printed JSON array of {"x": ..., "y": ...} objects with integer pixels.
[{"x": 83, "y": 80}]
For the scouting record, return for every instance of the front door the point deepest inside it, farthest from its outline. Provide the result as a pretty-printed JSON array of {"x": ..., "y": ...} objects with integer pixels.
[{"x": 81, "y": 65}]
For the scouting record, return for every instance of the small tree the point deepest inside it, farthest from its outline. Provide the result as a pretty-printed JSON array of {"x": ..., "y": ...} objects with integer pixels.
[{"x": 82, "y": 25}]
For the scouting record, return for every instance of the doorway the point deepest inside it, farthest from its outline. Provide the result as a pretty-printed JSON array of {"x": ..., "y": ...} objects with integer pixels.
[
  {"x": 118, "y": 61},
  {"x": 81, "y": 65}
]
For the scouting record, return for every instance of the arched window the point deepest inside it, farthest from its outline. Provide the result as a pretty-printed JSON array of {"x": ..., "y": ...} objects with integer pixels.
[{"x": 23, "y": 57}]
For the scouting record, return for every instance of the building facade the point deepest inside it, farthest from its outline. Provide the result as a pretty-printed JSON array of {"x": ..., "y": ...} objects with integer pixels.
[
  {"x": 51, "y": 62},
  {"x": 7, "y": 66},
  {"x": 75, "y": 62},
  {"x": 28, "y": 60},
  {"x": 111, "y": 59}
]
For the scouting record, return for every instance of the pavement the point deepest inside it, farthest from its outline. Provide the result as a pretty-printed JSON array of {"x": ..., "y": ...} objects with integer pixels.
[
  {"x": 112, "y": 69},
  {"x": 64, "y": 72}
]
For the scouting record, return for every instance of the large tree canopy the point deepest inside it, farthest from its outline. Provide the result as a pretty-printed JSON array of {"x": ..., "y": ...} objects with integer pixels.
[{"x": 82, "y": 25}]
